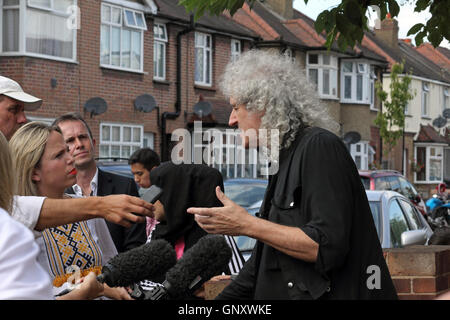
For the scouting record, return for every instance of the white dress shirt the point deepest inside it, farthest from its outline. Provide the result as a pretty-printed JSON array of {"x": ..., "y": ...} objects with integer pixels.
[{"x": 26, "y": 210}]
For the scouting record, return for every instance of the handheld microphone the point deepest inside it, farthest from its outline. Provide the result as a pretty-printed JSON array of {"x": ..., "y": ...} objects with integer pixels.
[
  {"x": 147, "y": 262},
  {"x": 207, "y": 258}
]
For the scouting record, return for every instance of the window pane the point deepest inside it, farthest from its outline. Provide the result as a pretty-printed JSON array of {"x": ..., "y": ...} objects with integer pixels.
[
  {"x": 116, "y": 134},
  {"x": 115, "y": 151},
  {"x": 106, "y": 13},
  {"x": 106, "y": 133},
  {"x": 347, "y": 87},
  {"x": 116, "y": 16},
  {"x": 398, "y": 223},
  {"x": 326, "y": 81},
  {"x": 105, "y": 45},
  {"x": 41, "y": 3},
  {"x": 48, "y": 34},
  {"x": 62, "y": 5},
  {"x": 435, "y": 170},
  {"x": 412, "y": 215},
  {"x": 348, "y": 66},
  {"x": 208, "y": 41},
  {"x": 129, "y": 15},
  {"x": 140, "y": 20},
  {"x": 421, "y": 162},
  {"x": 314, "y": 77},
  {"x": 115, "y": 47},
  {"x": 162, "y": 32},
  {"x": 126, "y": 134},
  {"x": 126, "y": 47},
  {"x": 199, "y": 65},
  {"x": 199, "y": 40},
  {"x": 136, "y": 50},
  {"x": 325, "y": 59},
  {"x": 10, "y": 2},
  {"x": 359, "y": 87},
  {"x": 208, "y": 66},
  {"x": 126, "y": 151},
  {"x": 136, "y": 134},
  {"x": 313, "y": 59},
  {"x": 358, "y": 161},
  {"x": 11, "y": 30},
  {"x": 104, "y": 151}
]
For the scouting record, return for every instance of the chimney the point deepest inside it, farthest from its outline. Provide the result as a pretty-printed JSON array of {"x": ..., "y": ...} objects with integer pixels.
[
  {"x": 388, "y": 32},
  {"x": 284, "y": 8}
]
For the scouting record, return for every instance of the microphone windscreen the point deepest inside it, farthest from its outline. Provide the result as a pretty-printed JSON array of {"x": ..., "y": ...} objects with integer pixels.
[
  {"x": 207, "y": 258},
  {"x": 147, "y": 262}
]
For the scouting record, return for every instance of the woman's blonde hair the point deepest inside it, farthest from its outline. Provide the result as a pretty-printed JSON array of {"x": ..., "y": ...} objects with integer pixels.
[
  {"x": 27, "y": 147},
  {"x": 6, "y": 175}
]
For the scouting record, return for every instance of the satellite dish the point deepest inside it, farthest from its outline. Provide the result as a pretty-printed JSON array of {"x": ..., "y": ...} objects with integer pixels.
[
  {"x": 145, "y": 103},
  {"x": 439, "y": 122},
  {"x": 352, "y": 137},
  {"x": 202, "y": 108},
  {"x": 446, "y": 113},
  {"x": 96, "y": 106}
]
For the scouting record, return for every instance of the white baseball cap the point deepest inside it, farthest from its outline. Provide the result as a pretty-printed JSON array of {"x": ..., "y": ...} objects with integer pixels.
[{"x": 12, "y": 89}]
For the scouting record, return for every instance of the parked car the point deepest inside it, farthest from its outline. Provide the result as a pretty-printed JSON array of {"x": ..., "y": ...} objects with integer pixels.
[
  {"x": 118, "y": 166},
  {"x": 395, "y": 181},
  {"x": 397, "y": 220},
  {"x": 249, "y": 194}
]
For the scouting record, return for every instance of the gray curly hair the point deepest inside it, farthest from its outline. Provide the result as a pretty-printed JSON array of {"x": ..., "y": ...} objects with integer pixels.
[{"x": 272, "y": 82}]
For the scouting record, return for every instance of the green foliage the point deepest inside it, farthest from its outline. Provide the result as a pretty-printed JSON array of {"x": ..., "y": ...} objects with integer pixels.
[
  {"x": 391, "y": 120},
  {"x": 347, "y": 22}
]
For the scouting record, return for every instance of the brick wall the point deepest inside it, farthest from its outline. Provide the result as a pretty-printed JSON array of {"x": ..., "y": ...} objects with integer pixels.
[
  {"x": 419, "y": 272},
  {"x": 78, "y": 82}
]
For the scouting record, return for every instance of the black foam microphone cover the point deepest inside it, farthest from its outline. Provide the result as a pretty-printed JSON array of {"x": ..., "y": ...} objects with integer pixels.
[
  {"x": 147, "y": 262},
  {"x": 207, "y": 258}
]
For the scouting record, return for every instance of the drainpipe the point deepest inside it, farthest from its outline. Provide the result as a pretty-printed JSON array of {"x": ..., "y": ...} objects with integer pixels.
[{"x": 176, "y": 114}]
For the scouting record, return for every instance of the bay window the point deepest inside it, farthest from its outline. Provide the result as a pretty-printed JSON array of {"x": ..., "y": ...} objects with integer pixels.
[
  {"x": 121, "y": 38},
  {"x": 321, "y": 69},
  {"x": 357, "y": 79},
  {"x": 42, "y": 28}
]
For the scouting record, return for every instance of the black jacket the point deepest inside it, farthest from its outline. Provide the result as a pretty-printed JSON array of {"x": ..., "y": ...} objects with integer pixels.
[
  {"x": 123, "y": 238},
  {"x": 318, "y": 190}
]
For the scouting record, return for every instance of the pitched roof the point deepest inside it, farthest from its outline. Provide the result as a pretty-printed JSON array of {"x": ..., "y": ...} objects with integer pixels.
[
  {"x": 437, "y": 55},
  {"x": 429, "y": 134},
  {"x": 415, "y": 62},
  {"x": 172, "y": 10}
]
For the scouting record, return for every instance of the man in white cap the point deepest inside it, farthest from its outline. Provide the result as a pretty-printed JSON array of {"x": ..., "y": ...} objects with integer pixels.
[
  {"x": 13, "y": 104},
  {"x": 38, "y": 213}
]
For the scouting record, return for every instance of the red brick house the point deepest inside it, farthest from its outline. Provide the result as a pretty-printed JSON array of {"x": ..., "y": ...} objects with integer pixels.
[{"x": 108, "y": 63}]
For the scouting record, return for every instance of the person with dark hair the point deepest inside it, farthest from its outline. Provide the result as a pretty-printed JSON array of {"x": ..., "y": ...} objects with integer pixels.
[
  {"x": 92, "y": 181},
  {"x": 184, "y": 186},
  {"x": 142, "y": 161}
]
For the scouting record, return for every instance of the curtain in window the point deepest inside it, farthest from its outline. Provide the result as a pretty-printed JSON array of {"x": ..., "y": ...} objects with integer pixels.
[{"x": 10, "y": 30}]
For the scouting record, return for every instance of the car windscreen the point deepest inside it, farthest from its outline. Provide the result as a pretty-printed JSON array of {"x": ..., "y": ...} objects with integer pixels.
[
  {"x": 245, "y": 194},
  {"x": 375, "y": 208}
]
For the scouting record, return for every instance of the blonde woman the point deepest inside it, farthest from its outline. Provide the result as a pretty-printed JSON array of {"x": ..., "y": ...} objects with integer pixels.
[
  {"x": 22, "y": 277},
  {"x": 45, "y": 168}
]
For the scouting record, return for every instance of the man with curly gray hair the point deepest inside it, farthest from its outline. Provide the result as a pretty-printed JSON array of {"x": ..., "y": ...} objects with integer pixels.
[{"x": 316, "y": 235}]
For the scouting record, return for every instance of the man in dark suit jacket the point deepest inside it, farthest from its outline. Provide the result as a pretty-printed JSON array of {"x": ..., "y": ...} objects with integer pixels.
[{"x": 93, "y": 181}]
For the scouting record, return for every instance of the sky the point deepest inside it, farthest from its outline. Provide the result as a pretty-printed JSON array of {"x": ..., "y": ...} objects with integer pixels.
[{"x": 406, "y": 18}]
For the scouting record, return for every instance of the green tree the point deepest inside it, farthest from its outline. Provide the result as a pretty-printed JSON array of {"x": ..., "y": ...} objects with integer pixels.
[
  {"x": 391, "y": 120},
  {"x": 347, "y": 22}
]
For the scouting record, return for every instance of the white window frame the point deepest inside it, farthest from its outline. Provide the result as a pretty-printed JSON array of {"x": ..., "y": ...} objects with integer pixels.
[
  {"x": 425, "y": 105},
  {"x": 445, "y": 98},
  {"x": 134, "y": 145},
  {"x": 359, "y": 68},
  {"x": 236, "y": 49},
  {"x": 429, "y": 157},
  {"x": 205, "y": 49},
  {"x": 23, "y": 8},
  {"x": 361, "y": 149},
  {"x": 160, "y": 43},
  {"x": 321, "y": 67},
  {"x": 124, "y": 26}
]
